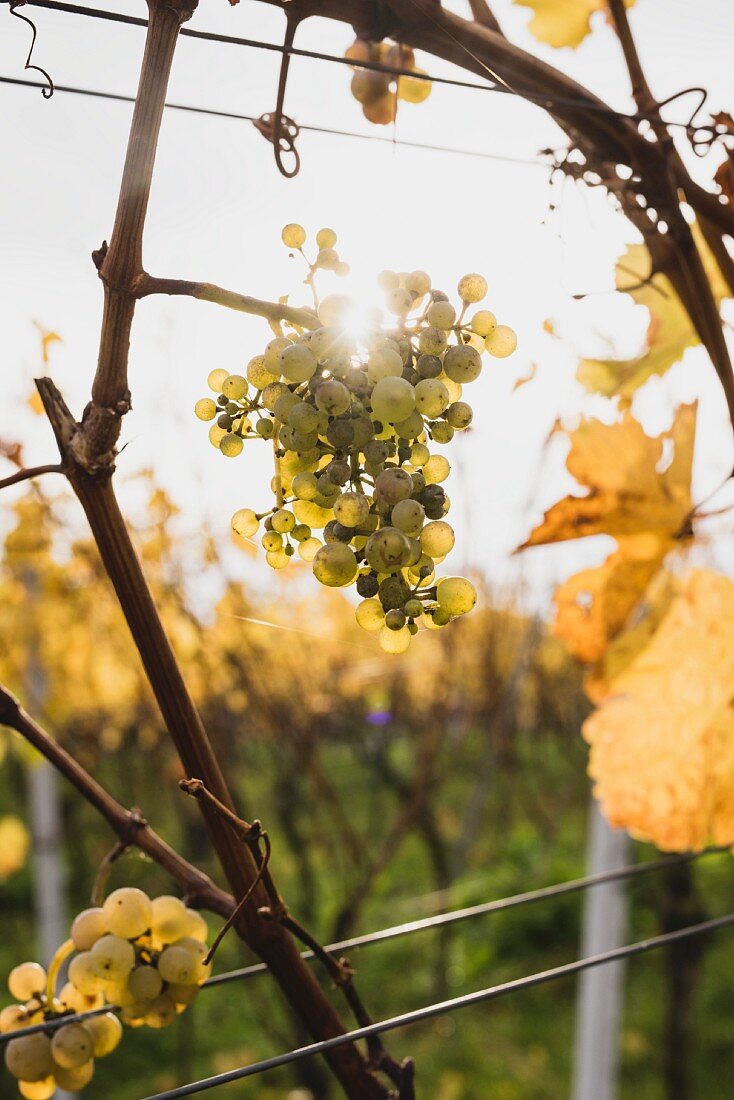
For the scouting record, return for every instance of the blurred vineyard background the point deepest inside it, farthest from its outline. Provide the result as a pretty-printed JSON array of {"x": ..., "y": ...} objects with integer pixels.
[{"x": 392, "y": 788}]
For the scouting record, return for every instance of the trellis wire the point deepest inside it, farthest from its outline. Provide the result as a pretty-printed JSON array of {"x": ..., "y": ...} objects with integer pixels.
[
  {"x": 425, "y": 924},
  {"x": 443, "y": 1007}
]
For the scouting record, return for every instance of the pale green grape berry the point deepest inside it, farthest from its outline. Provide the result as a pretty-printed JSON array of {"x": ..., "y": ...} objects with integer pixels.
[
  {"x": 455, "y": 595},
  {"x": 333, "y": 397},
  {"x": 272, "y": 393},
  {"x": 145, "y": 983},
  {"x": 305, "y": 486},
  {"x": 483, "y": 322},
  {"x": 176, "y": 964},
  {"x": 459, "y": 415},
  {"x": 128, "y": 912},
  {"x": 231, "y": 445},
  {"x": 419, "y": 454},
  {"x": 235, "y": 387},
  {"x": 265, "y": 428},
  {"x": 387, "y": 550},
  {"x": 297, "y": 363},
  {"x": 13, "y": 1017},
  {"x": 419, "y": 281},
  {"x": 394, "y": 484},
  {"x": 333, "y": 308},
  {"x": 441, "y": 315},
  {"x": 432, "y": 341},
  {"x": 258, "y": 374},
  {"x": 293, "y": 235},
  {"x": 327, "y": 259},
  {"x": 431, "y": 397},
  {"x": 384, "y": 362},
  {"x": 215, "y": 379},
  {"x": 326, "y": 238},
  {"x": 182, "y": 994},
  {"x": 283, "y": 521},
  {"x": 370, "y": 615},
  {"x": 272, "y": 353},
  {"x": 301, "y": 532},
  {"x": 335, "y": 565},
  {"x": 395, "y": 619},
  {"x": 29, "y": 1057},
  {"x": 37, "y": 1090},
  {"x": 408, "y": 516},
  {"x": 313, "y": 513},
  {"x": 197, "y": 928},
  {"x": 437, "y": 538},
  {"x": 399, "y": 301},
  {"x": 272, "y": 540},
  {"x": 413, "y": 608},
  {"x": 84, "y": 975},
  {"x": 113, "y": 956},
  {"x": 73, "y": 1080},
  {"x": 462, "y": 363},
  {"x": 502, "y": 342},
  {"x": 162, "y": 1012},
  {"x": 106, "y": 1032},
  {"x": 388, "y": 280},
  {"x": 351, "y": 509},
  {"x": 73, "y": 998},
  {"x": 205, "y": 409},
  {"x": 244, "y": 523},
  {"x": 436, "y": 469},
  {"x": 71, "y": 1046},
  {"x": 198, "y": 951},
  {"x": 87, "y": 928},
  {"x": 395, "y": 641},
  {"x": 308, "y": 549},
  {"x": 324, "y": 342},
  {"x": 26, "y": 980},
  {"x": 442, "y": 432},
  {"x": 411, "y": 427},
  {"x": 393, "y": 399},
  {"x": 472, "y": 288},
  {"x": 303, "y": 417}
]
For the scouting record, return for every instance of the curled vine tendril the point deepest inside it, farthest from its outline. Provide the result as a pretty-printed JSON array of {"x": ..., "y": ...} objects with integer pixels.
[{"x": 48, "y": 91}]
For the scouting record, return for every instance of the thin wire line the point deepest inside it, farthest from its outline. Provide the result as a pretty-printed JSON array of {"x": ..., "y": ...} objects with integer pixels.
[
  {"x": 425, "y": 924},
  {"x": 544, "y": 101},
  {"x": 442, "y": 1008},
  {"x": 119, "y": 98}
]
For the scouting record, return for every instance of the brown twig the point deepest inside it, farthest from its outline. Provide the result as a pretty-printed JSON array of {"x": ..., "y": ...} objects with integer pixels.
[
  {"x": 30, "y": 472},
  {"x": 145, "y": 285}
]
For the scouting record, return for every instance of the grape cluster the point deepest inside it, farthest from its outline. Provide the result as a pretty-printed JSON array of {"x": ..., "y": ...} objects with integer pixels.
[
  {"x": 354, "y": 417},
  {"x": 379, "y": 92},
  {"x": 143, "y": 955}
]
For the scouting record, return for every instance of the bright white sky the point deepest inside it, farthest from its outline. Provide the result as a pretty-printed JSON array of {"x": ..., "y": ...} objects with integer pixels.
[{"x": 218, "y": 205}]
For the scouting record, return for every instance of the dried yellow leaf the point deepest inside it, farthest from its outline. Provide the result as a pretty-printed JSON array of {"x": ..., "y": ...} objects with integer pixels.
[{"x": 563, "y": 22}]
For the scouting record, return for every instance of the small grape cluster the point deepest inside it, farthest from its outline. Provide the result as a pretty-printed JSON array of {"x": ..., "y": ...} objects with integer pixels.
[
  {"x": 142, "y": 955},
  {"x": 379, "y": 92},
  {"x": 352, "y": 416}
]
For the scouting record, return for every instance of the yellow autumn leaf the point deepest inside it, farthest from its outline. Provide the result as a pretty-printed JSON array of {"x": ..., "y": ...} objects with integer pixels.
[
  {"x": 563, "y": 22},
  {"x": 669, "y": 331},
  {"x": 666, "y": 772},
  {"x": 14, "y": 845},
  {"x": 647, "y": 510}
]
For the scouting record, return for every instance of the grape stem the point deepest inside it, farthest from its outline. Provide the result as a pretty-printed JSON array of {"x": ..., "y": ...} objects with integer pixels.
[
  {"x": 67, "y": 948},
  {"x": 278, "y": 483}
]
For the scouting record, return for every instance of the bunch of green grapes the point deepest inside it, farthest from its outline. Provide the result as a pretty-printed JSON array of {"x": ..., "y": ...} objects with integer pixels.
[
  {"x": 142, "y": 955},
  {"x": 379, "y": 92},
  {"x": 355, "y": 419}
]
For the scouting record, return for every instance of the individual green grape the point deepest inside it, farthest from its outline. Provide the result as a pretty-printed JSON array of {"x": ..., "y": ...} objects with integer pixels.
[
  {"x": 335, "y": 565},
  {"x": 324, "y": 342},
  {"x": 308, "y": 549},
  {"x": 215, "y": 379},
  {"x": 455, "y": 595},
  {"x": 205, "y": 409},
  {"x": 412, "y": 89},
  {"x": 327, "y": 259},
  {"x": 13, "y": 1017},
  {"x": 395, "y": 619},
  {"x": 71, "y": 1046},
  {"x": 37, "y": 1090},
  {"x": 162, "y": 1012},
  {"x": 84, "y": 975},
  {"x": 454, "y": 388},
  {"x": 87, "y": 927},
  {"x": 272, "y": 393},
  {"x": 297, "y": 363},
  {"x": 234, "y": 387},
  {"x": 370, "y": 615},
  {"x": 387, "y": 550},
  {"x": 462, "y": 363},
  {"x": 384, "y": 362},
  {"x": 433, "y": 341},
  {"x": 483, "y": 322},
  {"x": 502, "y": 342},
  {"x": 408, "y": 516},
  {"x": 182, "y": 994},
  {"x": 244, "y": 523},
  {"x": 395, "y": 641},
  {"x": 333, "y": 397},
  {"x": 257, "y": 373},
  {"x": 106, "y": 1032},
  {"x": 442, "y": 432},
  {"x": 393, "y": 399},
  {"x": 413, "y": 608},
  {"x": 459, "y": 415},
  {"x": 25, "y": 980},
  {"x": 388, "y": 280},
  {"x": 301, "y": 532},
  {"x": 231, "y": 445},
  {"x": 272, "y": 540},
  {"x": 431, "y": 397},
  {"x": 272, "y": 353},
  {"x": 73, "y": 1080},
  {"x": 419, "y": 454},
  {"x": 472, "y": 288},
  {"x": 399, "y": 301},
  {"x": 411, "y": 427},
  {"x": 437, "y": 539},
  {"x": 293, "y": 235},
  {"x": 428, "y": 366},
  {"x": 419, "y": 282},
  {"x": 326, "y": 238},
  {"x": 394, "y": 484},
  {"x": 441, "y": 315},
  {"x": 176, "y": 964},
  {"x": 198, "y": 951},
  {"x": 145, "y": 982},
  {"x": 305, "y": 486},
  {"x": 351, "y": 509},
  {"x": 333, "y": 309},
  {"x": 29, "y": 1057},
  {"x": 301, "y": 416},
  {"x": 113, "y": 957},
  {"x": 312, "y": 513},
  {"x": 128, "y": 912},
  {"x": 73, "y": 998},
  {"x": 265, "y": 428},
  {"x": 197, "y": 928},
  {"x": 283, "y": 521}
]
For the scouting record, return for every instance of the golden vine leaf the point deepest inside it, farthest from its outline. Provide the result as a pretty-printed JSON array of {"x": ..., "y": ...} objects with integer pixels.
[
  {"x": 645, "y": 508},
  {"x": 669, "y": 331},
  {"x": 563, "y": 22},
  {"x": 666, "y": 773}
]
